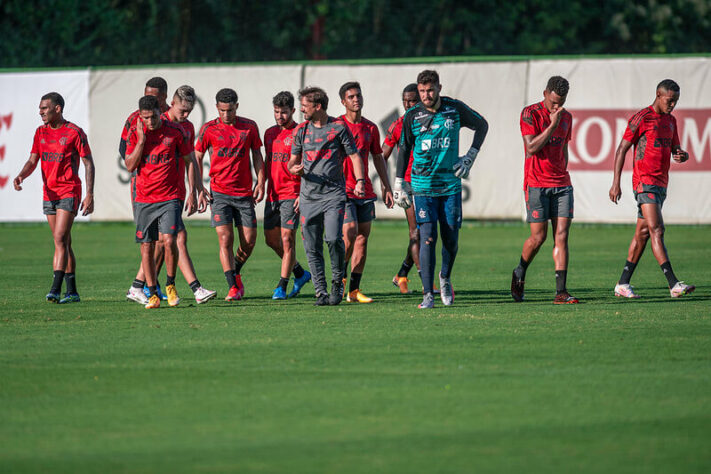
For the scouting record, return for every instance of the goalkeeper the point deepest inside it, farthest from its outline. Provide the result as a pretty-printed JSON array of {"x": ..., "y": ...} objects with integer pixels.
[{"x": 431, "y": 131}]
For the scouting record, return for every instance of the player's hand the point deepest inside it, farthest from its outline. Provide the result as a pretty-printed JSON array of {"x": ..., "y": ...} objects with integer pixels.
[
  {"x": 140, "y": 130},
  {"x": 556, "y": 116},
  {"x": 258, "y": 193},
  {"x": 464, "y": 165},
  {"x": 191, "y": 204},
  {"x": 87, "y": 205},
  {"x": 388, "y": 197},
  {"x": 359, "y": 189},
  {"x": 615, "y": 192},
  {"x": 401, "y": 192},
  {"x": 203, "y": 201},
  {"x": 680, "y": 155},
  {"x": 296, "y": 204},
  {"x": 17, "y": 183},
  {"x": 297, "y": 170}
]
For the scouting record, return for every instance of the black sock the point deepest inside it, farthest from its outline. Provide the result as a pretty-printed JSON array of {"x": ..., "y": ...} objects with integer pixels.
[
  {"x": 283, "y": 282},
  {"x": 195, "y": 285},
  {"x": 404, "y": 268},
  {"x": 560, "y": 277},
  {"x": 169, "y": 280},
  {"x": 238, "y": 266},
  {"x": 71, "y": 281},
  {"x": 57, "y": 282},
  {"x": 521, "y": 269},
  {"x": 138, "y": 283},
  {"x": 298, "y": 271},
  {"x": 231, "y": 277},
  {"x": 355, "y": 280},
  {"x": 669, "y": 273},
  {"x": 152, "y": 290},
  {"x": 627, "y": 272}
]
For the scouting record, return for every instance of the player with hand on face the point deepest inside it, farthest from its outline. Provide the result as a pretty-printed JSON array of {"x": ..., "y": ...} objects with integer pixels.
[
  {"x": 321, "y": 143},
  {"x": 153, "y": 147},
  {"x": 59, "y": 145},
  {"x": 546, "y": 128},
  {"x": 281, "y": 209},
  {"x": 360, "y": 211},
  {"x": 231, "y": 139},
  {"x": 430, "y": 130},
  {"x": 654, "y": 133}
]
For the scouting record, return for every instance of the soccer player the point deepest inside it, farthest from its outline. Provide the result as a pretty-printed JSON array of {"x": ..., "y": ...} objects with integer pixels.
[
  {"x": 360, "y": 211},
  {"x": 281, "y": 209},
  {"x": 430, "y": 130},
  {"x": 59, "y": 144},
  {"x": 153, "y": 149},
  {"x": 230, "y": 139},
  {"x": 180, "y": 108},
  {"x": 546, "y": 128},
  {"x": 321, "y": 143},
  {"x": 157, "y": 87},
  {"x": 654, "y": 134},
  {"x": 410, "y": 98}
]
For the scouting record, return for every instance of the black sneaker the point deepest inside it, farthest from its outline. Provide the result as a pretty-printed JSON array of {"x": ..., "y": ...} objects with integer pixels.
[
  {"x": 336, "y": 292},
  {"x": 322, "y": 300},
  {"x": 516, "y": 288}
]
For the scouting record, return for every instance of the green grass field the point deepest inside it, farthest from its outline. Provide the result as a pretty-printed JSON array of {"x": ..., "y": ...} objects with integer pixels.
[{"x": 486, "y": 385}]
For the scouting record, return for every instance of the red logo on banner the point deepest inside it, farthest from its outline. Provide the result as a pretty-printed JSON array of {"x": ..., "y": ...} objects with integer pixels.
[
  {"x": 5, "y": 120},
  {"x": 596, "y": 134}
]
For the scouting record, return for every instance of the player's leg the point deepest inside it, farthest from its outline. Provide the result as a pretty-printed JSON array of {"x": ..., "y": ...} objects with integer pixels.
[
  {"x": 333, "y": 233},
  {"x": 289, "y": 225},
  {"x": 59, "y": 259},
  {"x": 222, "y": 217},
  {"x": 147, "y": 217},
  {"x": 366, "y": 214},
  {"x": 537, "y": 207},
  {"x": 561, "y": 213},
  {"x": 426, "y": 213},
  {"x": 450, "y": 221},
  {"x": 170, "y": 224},
  {"x": 634, "y": 253},
  {"x": 273, "y": 239},
  {"x": 312, "y": 227},
  {"x": 185, "y": 263},
  {"x": 246, "y": 220}
]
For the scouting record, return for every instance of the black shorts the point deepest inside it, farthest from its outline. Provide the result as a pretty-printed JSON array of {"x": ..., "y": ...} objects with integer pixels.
[
  {"x": 359, "y": 211},
  {"x": 238, "y": 209},
  {"x": 649, "y": 194},
  {"x": 157, "y": 218},
  {"x": 280, "y": 214},
  {"x": 548, "y": 203},
  {"x": 70, "y": 204}
]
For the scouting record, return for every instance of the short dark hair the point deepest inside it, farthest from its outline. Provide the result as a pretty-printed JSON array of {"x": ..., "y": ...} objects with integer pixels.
[
  {"x": 412, "y": 87},
  {"x": 148, "y": 102},
  {"x": 346, "y": 87},
  {"x": 158, "y": 83},
  {"x": 315, "y": 95},
  {"x": 56, "y": 99},
  {"x": 226, "y": 96},
  {"x": 428, "y": 77},
  {"x": 185, "y": 94},
  {"x": 669, "y": 85},
  {"x": 559, "y": 85},
  {"x": 283, "y": 99}
]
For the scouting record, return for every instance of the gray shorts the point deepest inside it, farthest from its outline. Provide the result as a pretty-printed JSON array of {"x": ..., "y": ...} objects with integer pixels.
[
  {"x": 280, "y": 214},
  {"x": 158, "y": 218},
  {"x": 66, "y": 204},
  {"x": 650, "y": 194},
  {"x": 359, "y": 210},
  {"x": 543, "y": 204},
  {"x": 238, "y": 209}
]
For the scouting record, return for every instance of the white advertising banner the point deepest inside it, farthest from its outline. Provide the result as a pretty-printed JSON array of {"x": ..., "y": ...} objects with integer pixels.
[
  {"x": 494, "y": 89},
  {"x": 604, "y": 94},
  {"x": 115, "y": 94},
  {"x": 20, "y": 95}
]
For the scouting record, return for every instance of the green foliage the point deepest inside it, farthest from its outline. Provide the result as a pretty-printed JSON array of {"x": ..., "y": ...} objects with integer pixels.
[{"x": 62, "y": 33}]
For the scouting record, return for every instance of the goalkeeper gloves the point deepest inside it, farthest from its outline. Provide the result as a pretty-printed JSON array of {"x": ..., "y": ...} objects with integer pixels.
[
  {"x": 401, "y": 192},
  {"x": 464, "y": 165}
]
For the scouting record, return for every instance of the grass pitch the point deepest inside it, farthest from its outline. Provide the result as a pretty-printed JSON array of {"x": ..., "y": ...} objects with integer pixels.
[{"x": 487, "y": 385}]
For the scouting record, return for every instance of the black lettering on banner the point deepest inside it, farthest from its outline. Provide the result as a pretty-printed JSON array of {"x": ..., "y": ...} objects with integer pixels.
[{"x": 123, "y": 176}]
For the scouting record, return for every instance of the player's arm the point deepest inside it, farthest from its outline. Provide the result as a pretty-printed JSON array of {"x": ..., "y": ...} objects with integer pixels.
[
  {"x": 535, "y": 143},
  {"x": 382, "y": 169},
  {"x": 27, "y": 170},
  {"x": 622, "y": 149},
  {"x": 258, "y": 164},
  {"x": 387, "y": 151},
  {"x": 134, "y": 157},
  {"x": 401, "y": 188},
  {"x": 87, "y": 205},
  {"x": 193, "y": 177},
  {"x": 473, "y": 120},
  {"x": 294, "y": 165},
  {"x": 678, "y": 154},
  {"x": 359, "y": 173}
]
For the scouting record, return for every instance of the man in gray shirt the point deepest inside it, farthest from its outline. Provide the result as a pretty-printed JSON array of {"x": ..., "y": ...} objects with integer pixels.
[{"x": 321, "y": 143}]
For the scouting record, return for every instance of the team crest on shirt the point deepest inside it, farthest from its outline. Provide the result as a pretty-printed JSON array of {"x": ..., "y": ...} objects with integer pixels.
[
  {"x": 167, "y": 141},
  {"x": 288, "y": 141},
  {"x": 63, "y": 141},
  {"x": 449, "y": 124}
]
